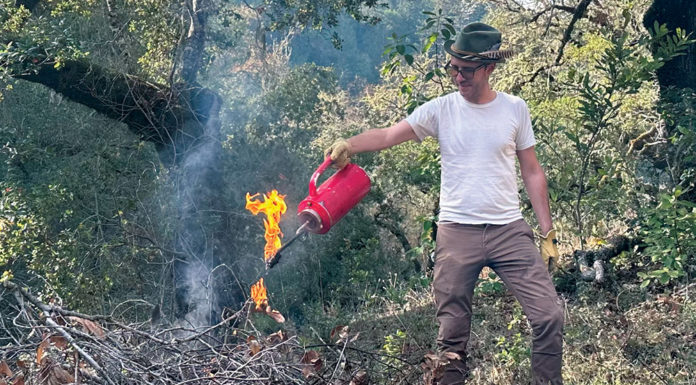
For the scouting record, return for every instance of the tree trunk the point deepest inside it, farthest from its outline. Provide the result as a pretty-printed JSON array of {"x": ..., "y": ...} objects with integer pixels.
[
  {"x": 679, "y": 72},
  {"x": 677, "y": 80}
]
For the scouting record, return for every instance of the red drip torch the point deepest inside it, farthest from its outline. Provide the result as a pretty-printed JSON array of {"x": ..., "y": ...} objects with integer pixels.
[{"x": 327, "y": 204}]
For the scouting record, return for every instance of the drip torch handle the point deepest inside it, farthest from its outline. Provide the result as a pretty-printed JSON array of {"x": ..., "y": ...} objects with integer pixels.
[{"x": 313, "y": 181}]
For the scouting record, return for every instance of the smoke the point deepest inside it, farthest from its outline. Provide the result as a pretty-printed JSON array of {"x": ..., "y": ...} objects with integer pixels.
[
  {"x": 198, "y": 196},
  {"x": 200, "y": 295}
]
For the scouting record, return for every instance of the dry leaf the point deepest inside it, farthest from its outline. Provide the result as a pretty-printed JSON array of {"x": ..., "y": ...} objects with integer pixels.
[
  {"x": 318, "y": 363},
  {"x": 307, "y": 371},
  {"x": 5, "y": 369},
  {"x": 360, "y": 378},
  {"x": 275, "y": 314},
  {"x": 311, "y": 357},
  {"x": 340, "y": 332},
  {"x": 19, "y": 380},
  {"x": 59, "y": 341},
  {"x": 254, "y": 346},
  {"x": 3, "y": 382},
  {"x": 40, "y": 351},
  {"x": 434, "y": 366},
  {"x": 90, "y": 326},
  {"x": 276, "y": 338},
  {"x": 312, "y": 363},
  {"x": 52, "y": 374}
]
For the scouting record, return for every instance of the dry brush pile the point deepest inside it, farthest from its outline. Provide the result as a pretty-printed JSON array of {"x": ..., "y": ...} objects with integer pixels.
[{"x": 43, "y": 343}]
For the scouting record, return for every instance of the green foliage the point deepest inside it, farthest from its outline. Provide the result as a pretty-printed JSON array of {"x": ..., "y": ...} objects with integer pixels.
[
  {"x": 513, "y": 350},
  {"x": 26, "y": 43},
  {"x": 354, "y": 48},
  {"x": 668, "y": 232},
  {"x": 426, "y": 242},
  {"x": 489, "y": 285},
  {"x": 619, "y": 71},
  {"x": 436, "y": 30},
  {"x": 71, "y": 184},
  {"x": 151, "y": 24},
  {"x": 294, "y": 107},
  {"x": 393, "y": 346},
  {"x": 11, "y": 17}
]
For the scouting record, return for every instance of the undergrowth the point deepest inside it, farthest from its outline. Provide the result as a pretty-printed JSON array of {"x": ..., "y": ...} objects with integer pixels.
[{"x": 622, "y": 335}]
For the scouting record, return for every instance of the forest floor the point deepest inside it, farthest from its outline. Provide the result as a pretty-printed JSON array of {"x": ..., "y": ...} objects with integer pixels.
[{"x": 620, "y": 335}]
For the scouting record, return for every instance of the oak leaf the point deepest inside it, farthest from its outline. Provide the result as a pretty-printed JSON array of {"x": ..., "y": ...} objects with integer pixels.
[
  {"x": 41, "y": 350},
  {"x": 340, "y": 331},
  {"x": 89, "y": 326},
  {"x": 5, "y": 369},
  {"x": 59, "y": 341},
  {"x": 51, "y": 373},
  {"x": 275, "y": 314},
  {"x": 276, "y": 338},
  {"x": 254, "y": 345},
  {"x": 312, "y": 361},
  {"x": 360, "y": 378}
]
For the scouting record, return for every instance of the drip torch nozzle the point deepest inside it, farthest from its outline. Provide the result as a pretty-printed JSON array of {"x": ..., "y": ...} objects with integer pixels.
[{"x": 298, "y": 234}]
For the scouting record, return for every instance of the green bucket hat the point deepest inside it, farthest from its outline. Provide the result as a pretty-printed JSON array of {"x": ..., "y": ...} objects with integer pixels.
[{"x": 478, "y": 42}]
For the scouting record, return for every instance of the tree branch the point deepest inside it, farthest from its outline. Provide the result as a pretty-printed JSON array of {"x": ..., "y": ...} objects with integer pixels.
[
  {"x": 579, "y": 12},
  {"x": 154, "y": 112},
  {"x": 194, "y": 44}
]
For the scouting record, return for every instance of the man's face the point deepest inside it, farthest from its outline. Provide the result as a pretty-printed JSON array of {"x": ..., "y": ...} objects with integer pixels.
[{"x": 471, "y": 85}]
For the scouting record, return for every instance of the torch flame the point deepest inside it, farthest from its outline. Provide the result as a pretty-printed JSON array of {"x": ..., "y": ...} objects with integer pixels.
[
  {"x": 273, "y": 206},
  {"x": 259, "y": 295}
]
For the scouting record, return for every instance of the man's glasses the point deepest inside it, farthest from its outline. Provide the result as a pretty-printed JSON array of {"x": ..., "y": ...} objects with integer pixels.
[{"x": 465, "y": 71}]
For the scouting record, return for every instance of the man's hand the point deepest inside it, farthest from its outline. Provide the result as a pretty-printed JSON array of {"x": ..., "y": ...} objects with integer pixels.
[
  {"x": 549, "y": 251},
  {"x": 340, "y": 153}
]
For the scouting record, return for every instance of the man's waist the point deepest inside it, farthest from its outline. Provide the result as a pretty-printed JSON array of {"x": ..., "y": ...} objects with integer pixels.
[{"x": 501, "y": 218}]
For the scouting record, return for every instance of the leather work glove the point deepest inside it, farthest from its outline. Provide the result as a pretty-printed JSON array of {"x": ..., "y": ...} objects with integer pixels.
[
  {"x": 549, "y": 251},
  {"x": 340, "y": 153}
]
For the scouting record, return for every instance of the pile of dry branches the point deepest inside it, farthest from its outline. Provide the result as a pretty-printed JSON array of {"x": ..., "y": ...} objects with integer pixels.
[{"x": 43, "y": 343}]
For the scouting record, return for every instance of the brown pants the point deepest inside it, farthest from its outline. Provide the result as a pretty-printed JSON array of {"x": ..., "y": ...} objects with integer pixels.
[{"x": 462, "y": 251}]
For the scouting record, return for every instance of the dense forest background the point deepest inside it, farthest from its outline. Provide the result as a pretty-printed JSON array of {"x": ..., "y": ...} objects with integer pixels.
[{"x": 131, "y": 131}]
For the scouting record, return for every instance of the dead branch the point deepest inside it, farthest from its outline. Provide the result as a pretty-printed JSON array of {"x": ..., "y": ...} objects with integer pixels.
[
  {"x": 46, "y": 343},
  {"x": 598, "y": 258}
]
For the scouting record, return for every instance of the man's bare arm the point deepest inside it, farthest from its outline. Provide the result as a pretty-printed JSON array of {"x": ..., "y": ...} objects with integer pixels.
[
  {"x": 381, "y": 138},
  {"x": 535, "y": 183}
]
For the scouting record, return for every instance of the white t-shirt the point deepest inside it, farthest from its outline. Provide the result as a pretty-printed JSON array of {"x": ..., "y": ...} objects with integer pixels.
[{"x": 478, "y": 144}]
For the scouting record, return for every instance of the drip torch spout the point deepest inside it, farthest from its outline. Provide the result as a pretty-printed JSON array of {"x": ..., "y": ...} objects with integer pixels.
[{"x": 298, "y": 234}]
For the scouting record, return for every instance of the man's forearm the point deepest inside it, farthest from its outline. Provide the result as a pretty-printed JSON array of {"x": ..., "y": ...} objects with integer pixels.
[
  {"x": 538, "y": 195},
  {"x": 371, "y": 140},
  {"x": 381, "y": 138}
]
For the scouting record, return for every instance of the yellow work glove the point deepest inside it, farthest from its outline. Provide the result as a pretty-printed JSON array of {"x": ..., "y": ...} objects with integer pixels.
[
  {"x": 340, "y": 153},
  {"x": 549, "y": 251}
]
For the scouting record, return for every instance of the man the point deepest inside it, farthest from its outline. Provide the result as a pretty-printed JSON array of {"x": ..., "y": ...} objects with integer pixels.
[{"x": 480, "y": 223}]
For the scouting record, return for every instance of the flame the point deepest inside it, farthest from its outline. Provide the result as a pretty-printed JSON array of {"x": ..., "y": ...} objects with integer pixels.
[
  {"x": 259, "y": 295},
  {"x": 273, "y": 206}
]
